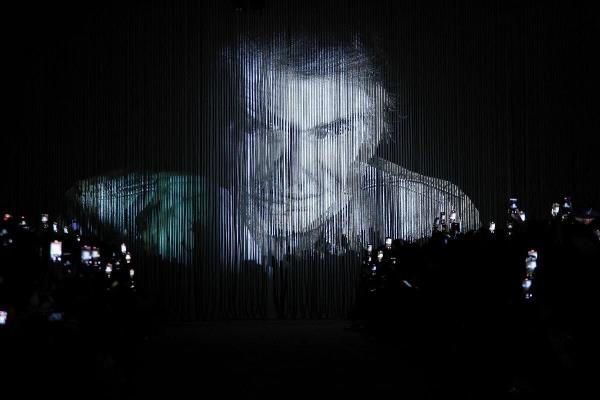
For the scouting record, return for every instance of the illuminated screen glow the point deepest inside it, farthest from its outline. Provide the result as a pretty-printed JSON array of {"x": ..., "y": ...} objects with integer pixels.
[
  {"x": 55, "y": 250},
  {"x": 304, "y": 127}
]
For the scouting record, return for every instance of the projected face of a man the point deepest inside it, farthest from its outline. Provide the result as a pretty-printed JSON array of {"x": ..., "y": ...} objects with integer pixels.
[{"x": 305, "y": 137}]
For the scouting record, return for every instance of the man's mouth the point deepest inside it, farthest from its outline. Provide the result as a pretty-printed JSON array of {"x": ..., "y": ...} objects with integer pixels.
[
  {"x": 282, "y": 198},
  {"x": 292, "y": 202}
]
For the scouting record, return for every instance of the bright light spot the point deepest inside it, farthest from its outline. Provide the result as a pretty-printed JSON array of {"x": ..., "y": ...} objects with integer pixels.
[
  {"x": 86, "y": 254},
  {"x": 55, "y": 250}
]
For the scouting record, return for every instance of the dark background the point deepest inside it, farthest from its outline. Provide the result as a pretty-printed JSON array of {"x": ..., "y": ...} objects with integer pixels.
[{"x": 499, "y": 97}]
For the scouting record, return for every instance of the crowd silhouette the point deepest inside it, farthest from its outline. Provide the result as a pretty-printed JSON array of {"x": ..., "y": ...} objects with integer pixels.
[
  {"x": 70, "y": 308},
  {"x": 507, "y": 309},
  {"x": 504, "y": 310}
]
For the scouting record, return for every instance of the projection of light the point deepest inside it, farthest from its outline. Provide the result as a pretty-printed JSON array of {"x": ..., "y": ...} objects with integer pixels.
[
  {"x": 307, "y": 127},
  {"x": 300, "y": 193},
  {"x": 313, "y": 122}
]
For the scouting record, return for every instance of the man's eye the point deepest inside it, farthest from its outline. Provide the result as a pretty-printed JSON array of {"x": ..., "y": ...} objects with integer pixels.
[
  {"x": 332, "y": 130},
  {"x": 265, "y": 129}
]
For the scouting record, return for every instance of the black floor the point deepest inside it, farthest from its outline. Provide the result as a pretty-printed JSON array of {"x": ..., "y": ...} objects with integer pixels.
[
  {"x": 268, "y": 359},
  {"x": 271, "y": 359}
]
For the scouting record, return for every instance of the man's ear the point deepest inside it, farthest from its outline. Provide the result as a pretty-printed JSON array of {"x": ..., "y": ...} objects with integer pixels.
[{"x": 367, "y": 151}]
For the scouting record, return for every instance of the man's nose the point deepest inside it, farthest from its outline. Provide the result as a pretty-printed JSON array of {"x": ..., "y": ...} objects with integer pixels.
[{"x": 295, "y": 156}]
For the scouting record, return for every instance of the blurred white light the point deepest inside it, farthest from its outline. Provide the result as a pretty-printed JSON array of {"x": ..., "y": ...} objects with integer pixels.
[
  {"x": 131, "y": 273},
  {"x": 55, "y": 250},
  {"x": 3, "y": 317},
  {"x": 86, "y": 254},
  {"x": 123, "y": 248}
]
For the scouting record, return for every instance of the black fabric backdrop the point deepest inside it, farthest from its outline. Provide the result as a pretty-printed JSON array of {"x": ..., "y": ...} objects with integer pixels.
[{"x": 499, "y": 97}]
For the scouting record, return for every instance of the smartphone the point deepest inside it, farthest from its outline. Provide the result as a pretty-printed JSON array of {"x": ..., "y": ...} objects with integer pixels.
[
  {"x": 55, "y": 250},
  {"x": 86, "y": 254}
]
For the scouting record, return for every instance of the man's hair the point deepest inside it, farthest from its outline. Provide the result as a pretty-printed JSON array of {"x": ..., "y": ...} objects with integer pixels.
[{"x": 349, "y": 55}]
